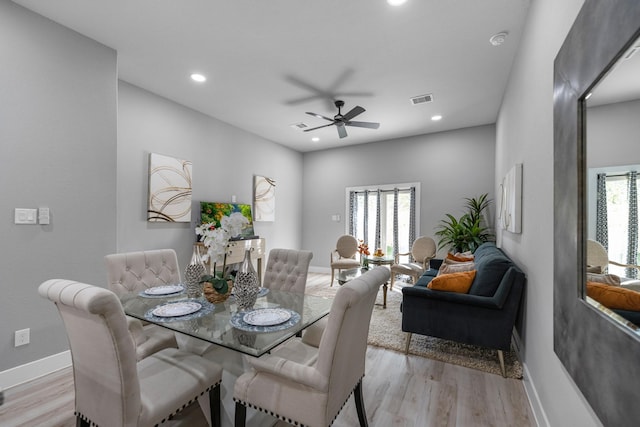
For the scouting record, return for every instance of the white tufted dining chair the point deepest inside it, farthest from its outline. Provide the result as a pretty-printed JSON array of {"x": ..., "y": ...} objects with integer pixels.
[
  {"x": 113, "y": 388},
  {"x": 134, "y": 272},
  {"x": 287, "y": 270},
  {"x": 307, "y": 381}
]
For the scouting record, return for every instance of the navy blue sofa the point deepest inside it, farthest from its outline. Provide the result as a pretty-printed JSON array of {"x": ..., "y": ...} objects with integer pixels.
[{"x": 483, "y": 317}]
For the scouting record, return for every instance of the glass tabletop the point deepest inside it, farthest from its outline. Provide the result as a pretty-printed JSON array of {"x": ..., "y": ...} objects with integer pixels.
[{"x": 215, "y": 322}]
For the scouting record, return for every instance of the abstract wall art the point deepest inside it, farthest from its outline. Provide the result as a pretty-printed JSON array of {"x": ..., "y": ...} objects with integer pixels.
[
  {"x": 169, "y": 189},
  {"x": 264, "y": 190}
]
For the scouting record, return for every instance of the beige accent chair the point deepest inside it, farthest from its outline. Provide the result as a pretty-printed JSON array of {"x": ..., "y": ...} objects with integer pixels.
[
  {"x": 287, "y": 270},
  {"x": 423, "y": 250},
  {"x": 343, "y": 257},
  {"x": 307, "y": 381},
  {"x": 112, "y": 388},
  {"x": 133, "y": 272},
  {"x": 597, "y": 256}
]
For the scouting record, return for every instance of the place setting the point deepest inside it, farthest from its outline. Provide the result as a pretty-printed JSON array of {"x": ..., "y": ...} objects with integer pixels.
[
  {"x": 162, "y": 291},
  {"x": 182, "y": 310},
  {"x": 265, "y": 319}
]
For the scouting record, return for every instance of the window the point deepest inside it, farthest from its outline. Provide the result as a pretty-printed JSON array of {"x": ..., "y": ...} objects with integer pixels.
[
  {"x": 617, "y": 224},
  {"x": 384, "y": 216}
]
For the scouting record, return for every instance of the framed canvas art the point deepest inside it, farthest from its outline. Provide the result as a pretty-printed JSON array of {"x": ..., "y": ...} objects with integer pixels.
[
  {"x": 264, "y": 190},
  {"x": 169, "y": 189}
]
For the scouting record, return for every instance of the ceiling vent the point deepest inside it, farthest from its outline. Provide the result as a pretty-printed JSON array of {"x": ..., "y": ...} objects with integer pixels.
[
  {"x": 422, "y": 99},
  {"x": 299, "y": 126}
]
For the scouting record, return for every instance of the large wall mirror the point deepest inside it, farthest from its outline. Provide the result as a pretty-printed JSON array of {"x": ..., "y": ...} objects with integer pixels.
[
  {"x": 612, "y": 138},
  {"x": 599, "y": 347}
]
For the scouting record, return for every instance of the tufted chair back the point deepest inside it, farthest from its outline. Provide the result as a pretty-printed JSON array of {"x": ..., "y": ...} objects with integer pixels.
[
  {"x": 287, "y": 270},
  {"x": 137, "y": 271},
  {"x": 104, "y": 357},
  {"x": 111, "y": 387},
  {"x": 310, "y": 391}
]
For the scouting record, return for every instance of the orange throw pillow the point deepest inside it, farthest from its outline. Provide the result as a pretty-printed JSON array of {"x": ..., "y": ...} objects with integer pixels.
[
  {"x": 614, "y": 297},
  {"x": 454, "y": 282},
  {"x": 459, "y": 258}
]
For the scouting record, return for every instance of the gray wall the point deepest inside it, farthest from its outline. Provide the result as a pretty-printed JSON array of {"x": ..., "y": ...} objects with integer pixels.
[
  {"x": 449, "y": 165},
  {"x": 525, "y": 134},
  {"x": 58, "y": 150},
  {"x": 225, "y": 159},
  {"x": 613, "y": 134}
]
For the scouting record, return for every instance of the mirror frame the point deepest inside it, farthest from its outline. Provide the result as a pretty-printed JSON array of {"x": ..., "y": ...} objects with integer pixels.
[{"x": 601, "y": 355}]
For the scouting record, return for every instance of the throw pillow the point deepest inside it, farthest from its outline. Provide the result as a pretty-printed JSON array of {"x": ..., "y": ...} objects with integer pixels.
[
  {"x": 454, "y": 282},
  {"x": 452, "y": 259},
  {"x": 456, "y": 268},
  {"x": 607, "y": 279},
  {"x": 614, "y": 297}
]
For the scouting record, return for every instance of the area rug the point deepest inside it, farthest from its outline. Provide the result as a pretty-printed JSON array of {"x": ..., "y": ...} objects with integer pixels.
[{"x": 385, "y": 331}]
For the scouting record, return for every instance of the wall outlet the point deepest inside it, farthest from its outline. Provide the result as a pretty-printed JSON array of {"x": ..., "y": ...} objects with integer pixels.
[{"x": 21, "y": 337}]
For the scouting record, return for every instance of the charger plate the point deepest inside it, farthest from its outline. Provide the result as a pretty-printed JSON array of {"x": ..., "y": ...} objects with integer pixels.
[
  {"x": 164, "y": 290},
  {"x": 237, "y": 321}
]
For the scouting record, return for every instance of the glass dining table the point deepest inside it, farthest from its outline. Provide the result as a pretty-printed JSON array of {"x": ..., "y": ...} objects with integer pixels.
[{"x": 276, "y": 317}]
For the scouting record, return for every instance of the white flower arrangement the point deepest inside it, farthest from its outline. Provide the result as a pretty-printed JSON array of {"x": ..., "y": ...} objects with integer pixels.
[{"x": 216, "y": 239}]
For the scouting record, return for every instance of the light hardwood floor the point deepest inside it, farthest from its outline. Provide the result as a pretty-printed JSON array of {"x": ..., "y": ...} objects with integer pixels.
[{"x": 398, "y": 390}]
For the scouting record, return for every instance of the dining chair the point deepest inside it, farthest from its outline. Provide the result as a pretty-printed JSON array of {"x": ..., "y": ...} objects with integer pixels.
[
  {"x": 307, "y": 381},
  {"x": 423, "y": 250},
  {"x": 135, "y": 272},
  {"x": 113, "y": 388},
  {"x": 343, "y": 257},
  {"x": 287, "y": 270}
]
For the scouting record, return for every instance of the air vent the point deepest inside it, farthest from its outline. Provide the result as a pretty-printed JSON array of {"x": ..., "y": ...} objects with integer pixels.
[
  {"x": 299, "y": 126},
  {"x": 422, "y": 99}
]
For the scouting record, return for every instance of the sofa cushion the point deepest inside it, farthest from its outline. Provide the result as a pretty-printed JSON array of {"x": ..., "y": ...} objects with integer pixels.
[
  {"x": 456, "y": 268},
  {"x": 614, "y": 297},
  {"x": 453, "y": 282},
  {"x": 607, "y": 279},
  {"x": 491, "y": 264},
  {"x": 458, "y": 257}
]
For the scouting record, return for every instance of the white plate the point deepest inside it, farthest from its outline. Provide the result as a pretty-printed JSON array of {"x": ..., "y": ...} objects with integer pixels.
[
  {"x": 174, "y": 309},
  {"x": 164, "y": 290},
  {"x": 267, "y": 316}
]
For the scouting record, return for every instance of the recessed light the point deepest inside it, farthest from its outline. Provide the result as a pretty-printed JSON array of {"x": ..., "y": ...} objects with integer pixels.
[
  {"x": 198, "y": 78},
  {"x": 315, "y": 139},
  {"x": 396, "y": 2},
  {"x": 436, "y": 117}
]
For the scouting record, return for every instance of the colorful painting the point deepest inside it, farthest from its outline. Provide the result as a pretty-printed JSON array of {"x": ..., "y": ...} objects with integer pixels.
[
  {"x": 169, "y": 189},
  {"x": 264, "y": 190},
  {"x": 212, "y": 212}
]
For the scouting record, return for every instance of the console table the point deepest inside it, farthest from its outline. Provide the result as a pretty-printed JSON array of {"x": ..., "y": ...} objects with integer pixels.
[{"x": 236, "y": 249}]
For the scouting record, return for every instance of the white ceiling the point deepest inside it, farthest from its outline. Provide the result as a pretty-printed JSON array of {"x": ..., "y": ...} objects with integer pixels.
[{"x": 268, "y": 62}]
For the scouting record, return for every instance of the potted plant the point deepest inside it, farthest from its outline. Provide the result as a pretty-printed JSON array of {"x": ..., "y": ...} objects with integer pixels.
[{"x": 467, "y": 232}]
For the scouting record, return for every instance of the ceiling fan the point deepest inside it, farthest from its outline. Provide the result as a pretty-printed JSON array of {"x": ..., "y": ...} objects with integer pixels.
[{"x": 341, "y": 120}]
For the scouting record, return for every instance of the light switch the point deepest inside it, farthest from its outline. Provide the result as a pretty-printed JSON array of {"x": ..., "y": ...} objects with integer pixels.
[
  {"x": 43, "y": 216},
  {"x": 25, "y": 216}
]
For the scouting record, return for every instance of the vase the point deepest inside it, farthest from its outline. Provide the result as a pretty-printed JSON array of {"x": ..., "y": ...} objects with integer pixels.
[
  {"x": 192, "y": 274},
  {"x": 246, "y": 286}
]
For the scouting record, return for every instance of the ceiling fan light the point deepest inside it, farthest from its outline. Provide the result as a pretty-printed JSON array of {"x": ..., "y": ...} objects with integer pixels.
[
  {"x": 396, "y": 2},
  {"x": 436, "y": 117}
]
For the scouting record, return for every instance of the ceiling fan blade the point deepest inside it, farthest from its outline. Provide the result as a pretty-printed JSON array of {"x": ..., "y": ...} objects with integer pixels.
[
  {"x": 342, "y": 132},
  {"x": 354, "y": 112},
  {"x": 319, "y": 127},
  {"x": 319, "y": 116},
  {"x": 369, "y": 125}
]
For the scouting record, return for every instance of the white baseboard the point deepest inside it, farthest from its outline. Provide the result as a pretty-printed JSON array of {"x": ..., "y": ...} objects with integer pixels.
[
  {"x": 539, "y": 414},
  {"x": 36, "y": 369}
]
